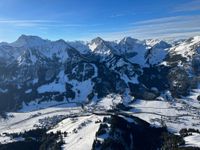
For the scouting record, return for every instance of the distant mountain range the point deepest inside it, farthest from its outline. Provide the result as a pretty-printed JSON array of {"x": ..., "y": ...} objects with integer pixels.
[{"x": 34, "y": 69}]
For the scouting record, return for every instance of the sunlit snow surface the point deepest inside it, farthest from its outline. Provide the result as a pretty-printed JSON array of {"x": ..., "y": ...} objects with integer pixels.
[
  {"x": 193, "y": 140},
  {"x": 29, "y": 116},
  {"x": 81, "y": 132},
  {"x": 186, "y": 48},
  {"x": 177, "y": 114}
]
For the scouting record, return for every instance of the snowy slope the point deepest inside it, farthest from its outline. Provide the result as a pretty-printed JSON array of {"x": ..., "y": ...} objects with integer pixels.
[
  {"x": 81, "y": 46},
  {"x": 157, "y": 52},
  {"x": 102, "y": 48},
  {"x": 188, "y": 48},
  {"x": 29, "y": 117},
  {"x": 80, "y": 131},
  {"x": 133, "y": 49},
  {"x": 176, "y": 115},
  {"x": 46, "y": 48},
  {"x": 193, "y": 140}
]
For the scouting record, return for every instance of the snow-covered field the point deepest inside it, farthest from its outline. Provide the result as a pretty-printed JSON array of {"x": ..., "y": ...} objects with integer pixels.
[
  {"x": 193, "y": 140},
  {"x": 25, "y": 120},
  {"x": 108, "y": 102},
  {"x": 80, "y": 125},
  {"x": 80, "y": 131},
  {"x": 175, "y": 115}
]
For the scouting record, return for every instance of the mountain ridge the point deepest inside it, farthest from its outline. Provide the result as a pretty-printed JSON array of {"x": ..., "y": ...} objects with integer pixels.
[{"x": 118, "y": 67}]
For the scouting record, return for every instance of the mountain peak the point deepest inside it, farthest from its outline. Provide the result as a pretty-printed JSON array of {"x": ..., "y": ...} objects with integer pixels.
[
  {"x": 97, "y": 40},
  {"x": 129, "y": 39},
  {"x": 28, "y": 37},
  {"x": 61, "y": 41},
  {"x": 95, "y": 43},
  {"x": 28, "y": 41},
  {"x": 162, "y": 45}
]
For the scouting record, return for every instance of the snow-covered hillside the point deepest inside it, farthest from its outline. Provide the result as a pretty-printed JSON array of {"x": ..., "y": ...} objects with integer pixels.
[{"x": 70, "y": 88}]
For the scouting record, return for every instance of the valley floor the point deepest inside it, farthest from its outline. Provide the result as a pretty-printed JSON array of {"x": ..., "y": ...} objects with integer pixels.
[{"x": 81, "y": 123}]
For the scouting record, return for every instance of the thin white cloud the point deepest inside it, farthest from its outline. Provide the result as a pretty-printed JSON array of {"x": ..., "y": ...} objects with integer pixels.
[
  {"x": 167, "y": 20},
  {"x": 157, "y": 20},
  {"x": 25, "y": 23},
  {"x": 71, "y": 25},
  {"x": 168, "y": 27},
  {"x": 117, "y": 15},
  {"x": 43, "y": 24},
  {"x": 193, "y": 5},
  {"x": 22, "y": 21}
]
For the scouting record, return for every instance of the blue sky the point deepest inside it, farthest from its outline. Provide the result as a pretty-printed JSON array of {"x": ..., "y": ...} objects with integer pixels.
[{"x": 110, "y": 19}]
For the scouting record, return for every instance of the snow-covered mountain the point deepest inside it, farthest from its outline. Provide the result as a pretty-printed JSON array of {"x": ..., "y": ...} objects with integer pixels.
[
  {"x": 187, "y": 48},
  {"x": 83, "y": 71},
  {"x": 41, "y": 78}
]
